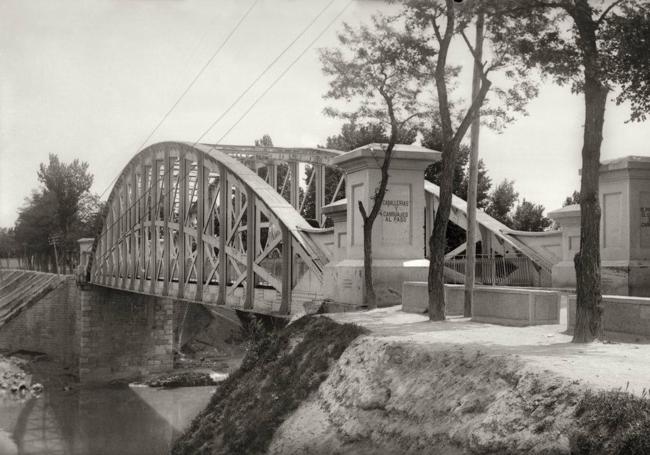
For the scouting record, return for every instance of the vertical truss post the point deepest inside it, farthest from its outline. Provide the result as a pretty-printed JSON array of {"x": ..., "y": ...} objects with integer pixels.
[
  {"x": 119, "y": 236},
  {"x": 168, "y": 203},
  {"x": 200, "y": 252},
  {"x": 224, "y": 194},
  {"x": 250, "y": 248},
  {"x": 142, "y": 201},
  {"x": 134, "y": 219},
  {"x": 319, "y": 192},
  {"x": 182, "y": 213},
  {"x": 287, "y": 271},
  {"x": 293, "y": 188},
  {"x": 153, "y": 229},
  {"x": 108, "y": 247}
]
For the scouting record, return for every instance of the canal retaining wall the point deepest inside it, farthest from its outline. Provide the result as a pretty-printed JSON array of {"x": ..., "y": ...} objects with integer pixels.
[{"x": 43, "y": 314}]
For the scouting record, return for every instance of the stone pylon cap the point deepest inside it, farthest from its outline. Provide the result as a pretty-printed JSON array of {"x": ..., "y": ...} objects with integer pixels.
[
  {"x": 374, "y": 153},
  {"x": 626, "y": 162},
  {"x": 566, "y": 212}
]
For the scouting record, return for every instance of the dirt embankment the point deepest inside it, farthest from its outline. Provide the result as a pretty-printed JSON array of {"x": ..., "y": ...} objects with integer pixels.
[
  {"x": 301, "y": 394},
  {"x": 280, "y": 370},
  {"x": 388, "y": 397}
]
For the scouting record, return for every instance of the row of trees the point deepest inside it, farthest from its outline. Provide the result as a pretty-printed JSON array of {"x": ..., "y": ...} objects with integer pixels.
[
  {"x": 396, "y": 71},
  {"x": 61, "y": 211}
]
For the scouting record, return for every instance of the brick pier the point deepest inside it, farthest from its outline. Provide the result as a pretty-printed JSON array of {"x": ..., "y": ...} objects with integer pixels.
[{"x": 123, "y": 334}]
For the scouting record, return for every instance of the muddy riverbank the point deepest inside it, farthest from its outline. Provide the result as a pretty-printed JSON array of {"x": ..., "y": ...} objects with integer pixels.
[{"x": 62, "y": 416}]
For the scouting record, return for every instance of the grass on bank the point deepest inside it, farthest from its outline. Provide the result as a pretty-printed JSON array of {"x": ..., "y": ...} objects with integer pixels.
[
  {"x": 279, "y": 371},
  {"x": 612, "y": 422}
]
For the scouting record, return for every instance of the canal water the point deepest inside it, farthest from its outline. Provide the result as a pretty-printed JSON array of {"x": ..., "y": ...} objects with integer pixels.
[{"x": 124, "y": 421}]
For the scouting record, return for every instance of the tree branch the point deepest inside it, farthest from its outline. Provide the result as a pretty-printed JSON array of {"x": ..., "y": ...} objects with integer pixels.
[
  {"x": 403, "y": 122},
  {"x": 472, "y": 111},
  {"x": 607, "y": 10},
  {"x": 436, "y": 29},
  {"x": 477, "y": 60},
  {"x": 363, "y": 211}
]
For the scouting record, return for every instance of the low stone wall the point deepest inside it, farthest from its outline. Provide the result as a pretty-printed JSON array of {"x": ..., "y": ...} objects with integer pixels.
[
  {"x": 624, "y": 318},
  {"x": 496, "y": 305}
]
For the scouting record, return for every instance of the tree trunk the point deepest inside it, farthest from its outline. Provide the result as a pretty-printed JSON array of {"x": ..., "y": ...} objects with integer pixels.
[
  {"x": 587, "y": 261},
  {"x": 438, "y": 239},
  {"x": 370, "y": 296}
]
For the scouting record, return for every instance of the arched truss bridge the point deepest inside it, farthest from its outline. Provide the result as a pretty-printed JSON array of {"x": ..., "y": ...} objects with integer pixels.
[{"x": 210, "y": 224}]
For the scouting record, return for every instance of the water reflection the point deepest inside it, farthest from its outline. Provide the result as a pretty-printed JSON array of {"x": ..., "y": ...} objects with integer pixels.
[{"x": 99, "y": 421}]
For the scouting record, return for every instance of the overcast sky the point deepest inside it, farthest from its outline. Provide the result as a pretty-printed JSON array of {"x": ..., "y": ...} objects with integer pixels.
[{"x": 91, "y": 79}]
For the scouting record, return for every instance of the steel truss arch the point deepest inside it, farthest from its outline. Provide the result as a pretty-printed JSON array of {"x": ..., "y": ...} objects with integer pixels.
[{"x": 193, "y": 223}]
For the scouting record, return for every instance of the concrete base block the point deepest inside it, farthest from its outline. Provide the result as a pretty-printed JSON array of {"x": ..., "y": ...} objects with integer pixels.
[
  {"x": 515, "y": 306},
  {"x": 415, "y": 298},
  {"x": 344, "y": 281},
  {"x": 624, "y": 318}
]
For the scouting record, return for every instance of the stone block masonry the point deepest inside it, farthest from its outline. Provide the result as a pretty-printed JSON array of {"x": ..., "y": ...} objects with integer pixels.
[{"x": 123, "y": 335}]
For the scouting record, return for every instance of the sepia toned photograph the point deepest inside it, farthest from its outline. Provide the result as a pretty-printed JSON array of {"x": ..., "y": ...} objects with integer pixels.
[{"x": 324, "y": 227}]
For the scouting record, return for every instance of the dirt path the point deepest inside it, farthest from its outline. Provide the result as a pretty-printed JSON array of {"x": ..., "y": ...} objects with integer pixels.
[{"x": 600, "y": 365}]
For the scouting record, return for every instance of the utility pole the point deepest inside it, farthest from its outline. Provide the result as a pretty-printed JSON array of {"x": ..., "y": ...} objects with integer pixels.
[
  {"x": 54, "y": 240},
  {"x": 470, "y": 258}
]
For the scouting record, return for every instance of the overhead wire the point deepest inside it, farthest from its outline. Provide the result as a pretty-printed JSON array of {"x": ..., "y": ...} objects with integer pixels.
[
  {"x": 268, "y": 67},
  {"x": 259, "y": 98},
  {"x": 190, "y": 85},
  {"x": 182, "y": 178}
]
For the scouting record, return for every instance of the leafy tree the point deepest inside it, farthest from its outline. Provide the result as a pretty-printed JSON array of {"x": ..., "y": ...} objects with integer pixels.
[
  {"x": 592, "y": 46},
  {"x": 502, "y": 200},
  {"x": 67, "y": 182},
  {"x": 483, "y": 187},
  {"x": 372, "y": 67},
  {"x": 530, "y": 217},
  {"x": 573, "y": 199},
  {"x": 37, "y": 221},
  {"x": 9, "y": 247},
  {"x": 64, "y": 207},
  {"x": 264, "y": 141}
]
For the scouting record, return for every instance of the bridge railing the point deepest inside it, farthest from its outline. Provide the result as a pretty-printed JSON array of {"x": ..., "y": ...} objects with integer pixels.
[{"x": 510, "y": 270}]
